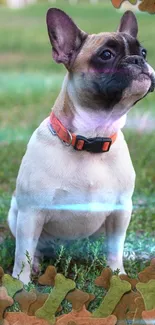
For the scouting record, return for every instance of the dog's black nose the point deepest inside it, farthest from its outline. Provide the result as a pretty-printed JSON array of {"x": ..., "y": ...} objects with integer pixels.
[{"x": 135, "y": 59}]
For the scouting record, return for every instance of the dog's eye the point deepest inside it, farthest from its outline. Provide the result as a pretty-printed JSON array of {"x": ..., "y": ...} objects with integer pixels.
[
  {"x": 106, "y": 55},
  {"x": 144, "y": 53}
]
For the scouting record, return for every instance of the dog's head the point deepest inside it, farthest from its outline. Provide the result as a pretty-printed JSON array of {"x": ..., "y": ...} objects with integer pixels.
[{"x": 106, "y": 70}]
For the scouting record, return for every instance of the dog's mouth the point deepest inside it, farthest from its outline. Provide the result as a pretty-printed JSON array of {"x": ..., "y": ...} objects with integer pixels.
[{"x": 152, "y": 78}]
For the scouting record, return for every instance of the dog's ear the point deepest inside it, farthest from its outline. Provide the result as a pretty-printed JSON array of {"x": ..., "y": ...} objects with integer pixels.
[
  {"x": 128, "y": 24},
  {"x": 66, "y": 38}
]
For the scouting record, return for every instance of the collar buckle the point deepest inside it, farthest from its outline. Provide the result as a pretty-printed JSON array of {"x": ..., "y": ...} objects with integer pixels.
[{"x": 95, "y": 145}]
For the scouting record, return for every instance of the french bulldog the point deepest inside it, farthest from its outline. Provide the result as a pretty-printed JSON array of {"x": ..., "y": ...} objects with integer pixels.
[{"x": 76, "y": 178}]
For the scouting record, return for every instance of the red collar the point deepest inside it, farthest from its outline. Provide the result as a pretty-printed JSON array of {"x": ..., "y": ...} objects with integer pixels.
[{"x": 96, "y": 145}]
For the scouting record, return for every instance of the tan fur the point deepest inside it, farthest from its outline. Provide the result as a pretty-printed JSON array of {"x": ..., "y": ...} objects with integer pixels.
[{"x": 93, "y": 42}]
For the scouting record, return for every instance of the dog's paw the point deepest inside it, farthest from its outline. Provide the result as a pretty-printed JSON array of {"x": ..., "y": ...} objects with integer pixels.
[
  {"x": 115, "y": 266},
  {"x": 23, "y": 277},
  {"x": 122, "y": 271}
]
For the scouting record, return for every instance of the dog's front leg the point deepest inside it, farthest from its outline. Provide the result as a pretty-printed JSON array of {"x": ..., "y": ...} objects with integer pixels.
[
  {"x": 116, "y": 226},
  {"x": 29, "y": 227}
]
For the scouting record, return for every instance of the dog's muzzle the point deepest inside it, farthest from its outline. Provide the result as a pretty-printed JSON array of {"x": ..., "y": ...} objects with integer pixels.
[{"x": 140, "y": 63}]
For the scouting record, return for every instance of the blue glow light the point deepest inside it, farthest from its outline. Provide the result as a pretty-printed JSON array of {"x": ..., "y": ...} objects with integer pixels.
[{"x": 93, "y": 207}]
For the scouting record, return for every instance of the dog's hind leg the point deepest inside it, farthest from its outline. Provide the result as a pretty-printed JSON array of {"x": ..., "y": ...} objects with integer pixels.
[
  {"x": 116, "y": 226},
  {"x": 99, "y": 232},
  {"x": 12, "y": 215}
]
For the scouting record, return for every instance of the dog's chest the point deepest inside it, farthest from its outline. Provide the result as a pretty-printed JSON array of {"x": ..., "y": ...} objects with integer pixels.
[
  {"x": 85, "y": 192},
  {"x": 84, "y": 178}
]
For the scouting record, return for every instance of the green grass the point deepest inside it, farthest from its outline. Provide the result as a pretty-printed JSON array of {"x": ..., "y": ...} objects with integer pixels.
[{"x": 29, "y": 84}]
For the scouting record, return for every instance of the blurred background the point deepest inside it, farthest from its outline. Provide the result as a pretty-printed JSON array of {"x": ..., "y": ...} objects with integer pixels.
[{"x": 29, "y": 84}]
